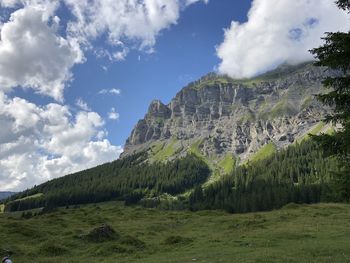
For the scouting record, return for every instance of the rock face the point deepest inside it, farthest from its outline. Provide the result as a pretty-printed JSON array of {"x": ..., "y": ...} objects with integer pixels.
[{"x": 218, "y": 115}]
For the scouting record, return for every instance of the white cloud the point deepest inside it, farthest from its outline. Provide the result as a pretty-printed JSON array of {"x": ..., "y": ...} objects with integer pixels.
[
  {"x": 115, "y": 91},
  {"x": 116, "y": 55},
  {"x": 121, "y": 55},
  {"x": 37, "y": 52},
  {"x": 32, "y": 55},
  {"x": 139, "y": 21},
  {"x": 113, "y": 115},
  {"x": 134, "y": 20},
  {"x": 8, "y": 3},
  {"x": 110, "y": 91},
  {"x": 190, "y": 2},
  {"x": 278, "y": 31},
  {"x": 103, "y": 91},
  {"x": 82, "y": 104},
  {"x": 41, "y": 143}
]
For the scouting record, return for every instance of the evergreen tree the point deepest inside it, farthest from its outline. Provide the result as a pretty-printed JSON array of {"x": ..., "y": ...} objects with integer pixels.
[{"x": 335, "y": 55}]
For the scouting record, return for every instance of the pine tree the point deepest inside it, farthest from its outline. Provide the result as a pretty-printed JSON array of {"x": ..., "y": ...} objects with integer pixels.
[{"x": 335, "y": 54}]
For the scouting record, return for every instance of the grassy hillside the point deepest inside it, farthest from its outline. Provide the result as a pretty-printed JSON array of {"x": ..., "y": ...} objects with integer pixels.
[
  {"x": 264, "y": 152},
  {"x": 227, "y": 164},
  {"x": 268, "y": 181},
  {"x": 164, "y": 153},
  {"x": 315, "y": 130},
  {"x": 296, "y": 233},
  {"x": 38, "y": 195}
]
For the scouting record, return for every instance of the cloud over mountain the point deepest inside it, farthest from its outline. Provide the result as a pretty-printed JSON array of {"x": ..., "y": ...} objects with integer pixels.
[{"x": 277, "y": 31}]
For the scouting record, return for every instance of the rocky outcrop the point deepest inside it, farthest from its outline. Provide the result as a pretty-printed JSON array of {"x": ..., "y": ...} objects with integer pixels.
[{"x": 222, "y": 115}]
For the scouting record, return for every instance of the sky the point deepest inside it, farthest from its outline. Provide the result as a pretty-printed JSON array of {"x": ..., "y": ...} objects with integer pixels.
[{"x": 77, "y": 75}]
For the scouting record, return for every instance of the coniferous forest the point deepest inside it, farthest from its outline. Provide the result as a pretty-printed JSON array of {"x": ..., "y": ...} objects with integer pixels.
[
  {"x": 128, "y": 179},
  {"x": 299, "y": 174}
]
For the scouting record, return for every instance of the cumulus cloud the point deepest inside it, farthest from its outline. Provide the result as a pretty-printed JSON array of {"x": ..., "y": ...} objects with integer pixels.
[
  {"x": 277, "y": 31},
  {"x": 113, "y": 115},
  {"x": 33, "y": 55},
  {"x": 39, "y": 143},
  {"x": 8, "y": 3},
  {"x": 139, "y": 21},
  {"x": 38, "y": 52}
]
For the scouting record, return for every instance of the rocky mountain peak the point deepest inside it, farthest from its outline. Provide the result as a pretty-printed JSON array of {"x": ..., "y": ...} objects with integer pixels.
[
  {"x": 218, "y": 116},
  {"x": 158, "y": 110}
]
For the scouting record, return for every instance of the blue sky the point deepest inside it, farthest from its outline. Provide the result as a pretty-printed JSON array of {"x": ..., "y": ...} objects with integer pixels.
[
  {"x": 183, "y": 53},
  {"x": 76, "y": 75}
]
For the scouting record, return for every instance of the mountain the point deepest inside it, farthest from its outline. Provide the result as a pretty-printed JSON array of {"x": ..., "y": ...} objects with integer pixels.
[
  {"x": 4, "y": 195},
  {"x": 253, "y": 131},
  {"x": 225, "y": 120}
]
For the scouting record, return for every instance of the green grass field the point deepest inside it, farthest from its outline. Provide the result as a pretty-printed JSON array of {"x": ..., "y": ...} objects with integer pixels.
[{"x": 296, "y": 233}]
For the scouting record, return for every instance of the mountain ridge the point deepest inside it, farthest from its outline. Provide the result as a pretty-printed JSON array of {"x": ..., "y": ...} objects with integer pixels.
[
  {"x": 178, "y": 154},
  {"x": 218, "y": 117}
]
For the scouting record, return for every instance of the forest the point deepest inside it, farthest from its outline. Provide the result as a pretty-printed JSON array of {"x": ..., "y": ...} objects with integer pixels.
[
  {"x": 127, "y": 179},
  {"x": 299, "y": 174}
]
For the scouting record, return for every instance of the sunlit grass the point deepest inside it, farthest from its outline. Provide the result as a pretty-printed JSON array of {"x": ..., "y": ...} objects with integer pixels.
[
  {"x": 30, "y": 197},
  {"x": 264, "y": 152},
  {"x": 227, "y": 164},
  {"x": 296, "y": 233},
  {"x": 165, "y": 151}
]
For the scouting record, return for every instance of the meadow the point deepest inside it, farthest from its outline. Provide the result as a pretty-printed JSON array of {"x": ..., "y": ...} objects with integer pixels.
[{"x": 295, "y": 233}]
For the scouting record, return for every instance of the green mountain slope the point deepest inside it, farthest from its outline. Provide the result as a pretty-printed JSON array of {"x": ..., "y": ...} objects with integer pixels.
[
  {"x": 220, "y": 143},
  {"x": 218, "y": 116},
  {"x": 128, "y": 179},
  {"x": 297, "y": 174}
]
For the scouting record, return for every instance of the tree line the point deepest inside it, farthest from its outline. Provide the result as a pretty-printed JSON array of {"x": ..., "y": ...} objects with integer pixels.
[
  {"x": 128, "y": 179},
  {"x": 298, "y": 174}
]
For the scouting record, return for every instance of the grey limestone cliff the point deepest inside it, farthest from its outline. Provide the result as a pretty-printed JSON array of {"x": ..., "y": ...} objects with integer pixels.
[{"x": 218, "y": 116}]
